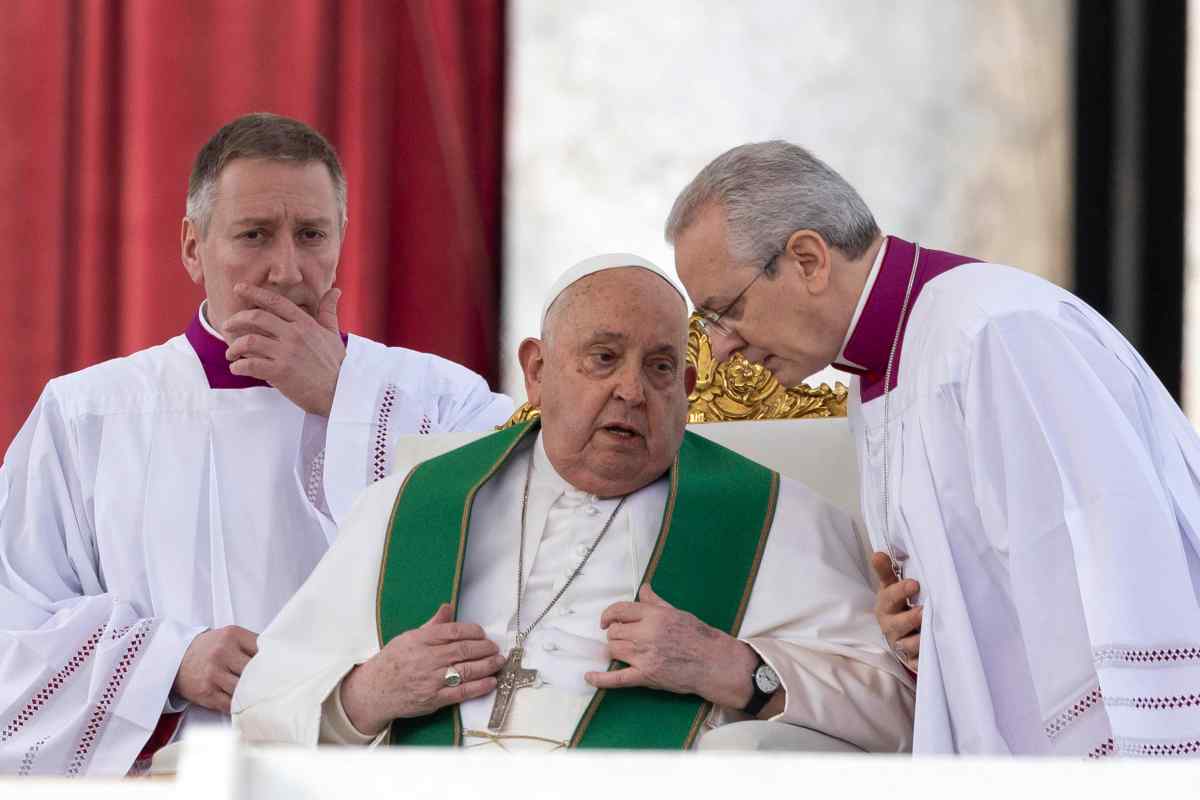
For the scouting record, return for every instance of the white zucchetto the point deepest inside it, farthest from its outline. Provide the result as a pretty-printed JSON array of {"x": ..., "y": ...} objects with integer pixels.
[{"x": 600, "y": 263}]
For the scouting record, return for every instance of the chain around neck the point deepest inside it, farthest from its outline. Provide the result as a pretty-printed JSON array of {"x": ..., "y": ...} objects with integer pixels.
[
  {"x": 887, "y": 405},
  {"x": 522, "y": 634}
]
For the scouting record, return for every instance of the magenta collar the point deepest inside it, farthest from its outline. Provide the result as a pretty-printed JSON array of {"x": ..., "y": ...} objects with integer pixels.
[
  {"x": 871, "y": 341},
  {"x": 211, "y": 352}
]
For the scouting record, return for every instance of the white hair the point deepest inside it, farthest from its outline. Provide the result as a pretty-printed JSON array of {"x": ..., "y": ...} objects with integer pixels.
[
  {"x": 770, "y": 190},
  {"x": 200, "y": 205}
]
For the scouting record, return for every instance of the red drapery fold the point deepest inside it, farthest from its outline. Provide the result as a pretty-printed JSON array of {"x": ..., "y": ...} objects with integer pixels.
[{"x": 105, "y": 104}]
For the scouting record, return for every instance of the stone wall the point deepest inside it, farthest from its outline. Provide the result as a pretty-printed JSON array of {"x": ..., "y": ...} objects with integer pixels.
[{"x": 952, "y": 118}]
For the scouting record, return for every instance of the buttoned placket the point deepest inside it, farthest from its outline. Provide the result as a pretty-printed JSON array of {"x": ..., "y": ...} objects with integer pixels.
[{"x": 571, "y": 521}]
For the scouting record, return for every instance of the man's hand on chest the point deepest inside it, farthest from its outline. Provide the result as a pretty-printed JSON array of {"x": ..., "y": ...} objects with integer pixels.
[{"x": 669, "y": 649}]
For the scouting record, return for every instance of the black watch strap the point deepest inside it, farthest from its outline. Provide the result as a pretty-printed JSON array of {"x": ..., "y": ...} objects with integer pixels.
[{"x": 759, "y": 698}]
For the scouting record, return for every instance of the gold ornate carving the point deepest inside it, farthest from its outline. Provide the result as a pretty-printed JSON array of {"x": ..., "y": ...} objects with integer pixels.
[
  {"x": 739, "y": 389},
  {"x": 524, "y": 413}
]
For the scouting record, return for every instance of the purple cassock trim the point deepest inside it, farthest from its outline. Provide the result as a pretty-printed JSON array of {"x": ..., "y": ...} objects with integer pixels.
[
  {"x": 211, "y": 352},
  {"x": 871, "y": 341}
]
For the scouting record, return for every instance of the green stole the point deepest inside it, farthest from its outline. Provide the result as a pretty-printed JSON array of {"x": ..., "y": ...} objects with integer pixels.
[{"x": 715, "y": 526}]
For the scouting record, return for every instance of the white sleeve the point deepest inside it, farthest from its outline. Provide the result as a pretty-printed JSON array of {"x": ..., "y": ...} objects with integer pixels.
[
  {"x": 1082, "y": 482},
  {"x": 83, "y": 675},
  {"x": 810, "y": 618},
  {"x": 336, "y": 726},
  {"x": 384, "y": 393},
  {"x": 326, "y": 629}
]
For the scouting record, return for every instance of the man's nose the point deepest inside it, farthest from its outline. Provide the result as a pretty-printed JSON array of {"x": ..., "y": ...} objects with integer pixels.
[
  {"x": 630, "y": 387},
  {"x": 285, "y": 263},
  {"x": 724, "y": 344}
]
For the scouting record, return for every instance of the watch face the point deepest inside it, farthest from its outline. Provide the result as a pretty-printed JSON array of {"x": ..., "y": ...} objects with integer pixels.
[{"x": 766, "y": 679}]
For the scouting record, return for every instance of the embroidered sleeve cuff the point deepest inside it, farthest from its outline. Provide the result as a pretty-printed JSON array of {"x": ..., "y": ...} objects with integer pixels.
[{"x": 352, "y": 431}]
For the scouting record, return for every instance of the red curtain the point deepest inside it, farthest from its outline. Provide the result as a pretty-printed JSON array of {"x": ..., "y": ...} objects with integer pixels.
[{"x": 104, "y": 103}]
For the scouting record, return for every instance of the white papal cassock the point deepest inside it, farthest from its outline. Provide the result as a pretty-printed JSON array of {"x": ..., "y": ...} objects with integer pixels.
[
  {"x": 1044, "y": 490},
  {"x": 809, "y": 614},
  {"x": 151, "y": 497}
]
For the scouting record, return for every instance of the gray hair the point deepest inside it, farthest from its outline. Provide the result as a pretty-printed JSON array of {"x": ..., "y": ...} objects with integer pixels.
[
  {"x": 770, "y": 190},
  {"x": 259, "y": 135}
]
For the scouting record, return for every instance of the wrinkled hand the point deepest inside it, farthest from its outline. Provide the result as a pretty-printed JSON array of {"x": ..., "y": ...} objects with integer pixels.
[
  {"x": 212, "y": 666},
  {"x": 670, "y": 649},
  {"x": 900, "y": 623},
  {"x": 278, "y": 342},
  {"x": 406, "y": 678}
]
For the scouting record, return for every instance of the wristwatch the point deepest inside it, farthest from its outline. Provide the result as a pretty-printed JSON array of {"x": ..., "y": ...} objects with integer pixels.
[{"x": 764, "y": 683}]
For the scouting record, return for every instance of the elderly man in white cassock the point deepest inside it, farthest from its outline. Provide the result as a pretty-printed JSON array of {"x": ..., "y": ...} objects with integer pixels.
[
  {"x": 156, "y": 511},
  {"x": 599, "y": 579},
  {"x": 1016, "y": 455}
]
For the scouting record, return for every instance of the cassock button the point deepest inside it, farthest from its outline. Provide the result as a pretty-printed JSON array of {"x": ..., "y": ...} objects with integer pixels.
[{"x": 591, "y": 510}]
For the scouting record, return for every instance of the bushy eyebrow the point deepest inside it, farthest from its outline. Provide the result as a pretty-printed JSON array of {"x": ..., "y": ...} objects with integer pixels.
[
  {"x": 315, "y": 222},
  {"x": 602, "y": 336},
  {"x": 665, "y": 348},
  {"x": 265, "y": 222},
  {"x": 256, "y": 221}
]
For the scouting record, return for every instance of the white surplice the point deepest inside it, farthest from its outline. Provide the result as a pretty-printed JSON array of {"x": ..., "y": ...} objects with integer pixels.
[
  {"x": 139, "y": 506},
  {"x": 1044, "y": 490},
  {"x": 809, "y": 614}
]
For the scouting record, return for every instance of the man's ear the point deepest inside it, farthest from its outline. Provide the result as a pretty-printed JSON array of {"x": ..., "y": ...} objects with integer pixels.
[
  {"x": 189, "y": 247},
  {"x": 532, "y": 356},
  {"x": 689, "y": 378},
  {"x": 808, "y": 255}
]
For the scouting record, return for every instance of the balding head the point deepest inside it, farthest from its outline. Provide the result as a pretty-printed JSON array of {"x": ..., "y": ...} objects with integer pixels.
[{"x": 610, "y": 377}]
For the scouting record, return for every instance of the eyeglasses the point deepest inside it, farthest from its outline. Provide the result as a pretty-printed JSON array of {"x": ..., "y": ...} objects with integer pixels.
[{"x": 710, "y": 321}]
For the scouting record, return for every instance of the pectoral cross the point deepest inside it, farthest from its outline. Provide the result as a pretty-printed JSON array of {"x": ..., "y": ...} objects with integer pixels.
[{"x": 510, "y": 678}]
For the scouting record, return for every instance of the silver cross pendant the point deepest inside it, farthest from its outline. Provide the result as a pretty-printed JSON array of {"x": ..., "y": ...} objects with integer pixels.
[{"x": 510, "y": 678}]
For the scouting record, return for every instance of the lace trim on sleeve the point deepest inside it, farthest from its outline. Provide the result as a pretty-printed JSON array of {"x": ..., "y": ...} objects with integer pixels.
[
  {"x": 314, "y": 486},
  {"x": 379, "y": 456},
  {"x": 381, "y": 461},
  {"x": 1077, "y": 709},
  {"x": 30, "y": 757},
  {"x": 103, "y": 707},
  {"x": 39, "y": 699},
  {"x": 1145, "y": 749},
  {"x": 1163, "y": 703},
  {"x": 1118, "y": 656}
]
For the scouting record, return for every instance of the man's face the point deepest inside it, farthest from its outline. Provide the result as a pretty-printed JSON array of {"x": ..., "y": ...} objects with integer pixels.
[
  {"x": 275, "y": 225},
  {"x": 777, "y": 322},
  {"x": 611, "y": 380}
]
